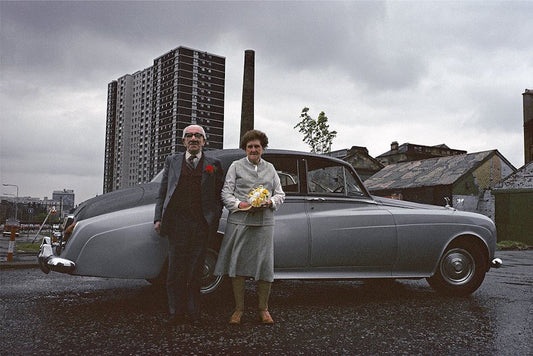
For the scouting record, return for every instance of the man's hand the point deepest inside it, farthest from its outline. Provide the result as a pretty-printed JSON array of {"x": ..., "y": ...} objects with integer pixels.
[{"x": 157, "y": 226}]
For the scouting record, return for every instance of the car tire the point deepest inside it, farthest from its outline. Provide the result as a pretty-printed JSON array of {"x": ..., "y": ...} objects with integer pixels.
[
  {"x": 210, "y": 282},
  {"x": 460, "y": 270}
]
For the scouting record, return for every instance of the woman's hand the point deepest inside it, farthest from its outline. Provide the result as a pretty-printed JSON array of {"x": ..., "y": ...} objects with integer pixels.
[{"x": 244, "y": 205}]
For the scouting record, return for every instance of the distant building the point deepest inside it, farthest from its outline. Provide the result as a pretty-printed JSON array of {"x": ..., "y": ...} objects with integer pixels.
[
  {"x": 148, "y": 110},
  {"x": 365, "y": 165},
  {"x": 466, "y": 180},
  {"x": 514, "y": 206},
  {"x": 65, "y": 198},
  {"x": 409, "y": 152},
  {"x": 28, "y": 208}
]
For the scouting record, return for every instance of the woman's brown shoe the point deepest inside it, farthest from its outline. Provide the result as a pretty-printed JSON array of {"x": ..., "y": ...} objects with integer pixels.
[
  {"x": 265, "y": 318},
  {"x": 236, "y": 317}
]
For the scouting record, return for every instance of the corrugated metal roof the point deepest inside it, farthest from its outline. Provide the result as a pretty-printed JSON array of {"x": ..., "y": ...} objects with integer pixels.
[
  {"x": 522, "y": 179},
  {"x": 427, "y": 172}
]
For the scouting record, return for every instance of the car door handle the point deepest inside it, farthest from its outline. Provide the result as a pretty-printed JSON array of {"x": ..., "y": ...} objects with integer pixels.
[{"x": 315, "y": 199}]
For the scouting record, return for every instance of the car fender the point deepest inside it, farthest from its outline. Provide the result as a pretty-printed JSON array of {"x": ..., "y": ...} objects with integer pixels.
[
  {"x": 423, "y": 237},
  {"x": 119, "y": 244}
]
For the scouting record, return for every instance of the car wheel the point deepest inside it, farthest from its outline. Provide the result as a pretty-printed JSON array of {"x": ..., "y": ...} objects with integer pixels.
[
  {"x": 460, "y": 271},
  {"x": 210, "y": 282}
]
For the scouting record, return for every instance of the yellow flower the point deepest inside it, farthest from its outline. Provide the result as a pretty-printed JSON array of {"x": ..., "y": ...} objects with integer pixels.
[{"x": 258, "y": 196}]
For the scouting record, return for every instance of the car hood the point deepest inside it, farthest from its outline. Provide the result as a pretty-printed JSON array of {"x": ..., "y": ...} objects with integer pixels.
[{"x": 142, "y": 194}]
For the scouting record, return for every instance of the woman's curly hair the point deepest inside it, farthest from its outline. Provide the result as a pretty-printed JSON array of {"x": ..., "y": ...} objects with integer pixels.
[{"x": 253, "y": 135}]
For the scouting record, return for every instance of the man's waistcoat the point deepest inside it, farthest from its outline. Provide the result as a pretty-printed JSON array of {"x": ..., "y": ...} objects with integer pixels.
[{"x": 187, "y": 198}]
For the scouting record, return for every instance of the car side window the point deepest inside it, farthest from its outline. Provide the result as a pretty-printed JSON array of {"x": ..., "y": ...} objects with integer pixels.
[
  {"x": 330, "y": 178},
  {"x": 287, "y": 168}
]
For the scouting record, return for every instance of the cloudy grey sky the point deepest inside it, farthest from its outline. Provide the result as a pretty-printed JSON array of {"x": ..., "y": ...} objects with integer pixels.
[{"x": 407, "y": 71}]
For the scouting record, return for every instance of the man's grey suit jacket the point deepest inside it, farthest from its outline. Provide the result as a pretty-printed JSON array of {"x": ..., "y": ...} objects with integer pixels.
[{"x": 212, "y": 181}]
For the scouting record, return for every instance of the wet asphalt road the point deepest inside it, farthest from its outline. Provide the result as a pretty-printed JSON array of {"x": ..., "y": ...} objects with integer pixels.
[{"x": 62, "y": 314}]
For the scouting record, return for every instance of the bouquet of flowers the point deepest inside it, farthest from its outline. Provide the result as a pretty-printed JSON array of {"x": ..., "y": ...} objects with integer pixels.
[{"x": 258, "y": 196}]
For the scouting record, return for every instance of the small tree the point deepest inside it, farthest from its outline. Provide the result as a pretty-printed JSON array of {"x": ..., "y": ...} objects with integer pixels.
[{"x": 316, "y": 132}]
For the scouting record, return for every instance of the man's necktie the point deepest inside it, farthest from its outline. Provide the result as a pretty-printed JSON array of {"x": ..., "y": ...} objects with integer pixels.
[{"x": 190, "y": 162}]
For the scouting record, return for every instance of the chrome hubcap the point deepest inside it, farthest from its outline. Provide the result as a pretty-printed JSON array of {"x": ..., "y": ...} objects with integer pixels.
[{"x": 457, "y": 266}]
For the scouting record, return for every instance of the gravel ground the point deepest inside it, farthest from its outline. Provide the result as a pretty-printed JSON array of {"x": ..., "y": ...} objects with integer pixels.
[{"x": 55, "y": 313}]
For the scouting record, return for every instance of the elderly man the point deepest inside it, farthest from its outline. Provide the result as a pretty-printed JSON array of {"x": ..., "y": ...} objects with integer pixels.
[{"x": 188, "y": 210}]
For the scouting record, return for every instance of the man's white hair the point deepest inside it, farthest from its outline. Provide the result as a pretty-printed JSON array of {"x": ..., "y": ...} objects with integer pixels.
[{"x": 195, "y": 126}]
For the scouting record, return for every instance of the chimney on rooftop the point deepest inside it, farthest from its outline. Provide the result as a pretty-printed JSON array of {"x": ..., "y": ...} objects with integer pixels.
[
  {"x": 359, "y": 149},
  {"x": 528, "y": 125},
  {"x": 394, "y": 146}
]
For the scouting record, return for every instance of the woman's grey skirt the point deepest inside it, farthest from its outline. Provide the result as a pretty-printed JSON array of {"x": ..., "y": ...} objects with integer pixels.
[{"x": 247, "y": 251}]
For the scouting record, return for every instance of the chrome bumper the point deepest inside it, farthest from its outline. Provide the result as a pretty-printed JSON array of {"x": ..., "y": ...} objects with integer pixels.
[
  {"x": 48, "y": 261},
  {"x": 496, "y": 263}
]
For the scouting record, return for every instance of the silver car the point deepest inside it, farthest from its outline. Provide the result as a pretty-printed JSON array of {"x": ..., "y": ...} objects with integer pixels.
[{"x": 329, "y": 227}]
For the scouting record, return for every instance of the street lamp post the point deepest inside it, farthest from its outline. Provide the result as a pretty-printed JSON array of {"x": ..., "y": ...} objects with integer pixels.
[{"x": 17, "y": 199}]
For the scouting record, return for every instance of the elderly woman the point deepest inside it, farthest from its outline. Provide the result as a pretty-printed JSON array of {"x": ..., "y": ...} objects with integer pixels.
[{"x": 248, "y": 247}]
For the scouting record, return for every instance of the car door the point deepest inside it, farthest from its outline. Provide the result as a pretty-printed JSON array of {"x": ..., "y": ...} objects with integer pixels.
[
  {"x": 291, "y": 231},
  {"x": 348, "y": 228}
]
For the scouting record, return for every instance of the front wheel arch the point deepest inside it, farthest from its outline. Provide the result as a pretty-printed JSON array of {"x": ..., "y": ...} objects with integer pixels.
[{"x": 461, "y": 268}]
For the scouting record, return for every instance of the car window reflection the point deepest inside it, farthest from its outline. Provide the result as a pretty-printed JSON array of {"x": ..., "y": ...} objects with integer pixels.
[{"x": 331, "y": 178}]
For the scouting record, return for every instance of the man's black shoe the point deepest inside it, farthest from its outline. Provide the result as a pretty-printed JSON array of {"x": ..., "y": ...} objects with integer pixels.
[{"x": 175, "y": 320}]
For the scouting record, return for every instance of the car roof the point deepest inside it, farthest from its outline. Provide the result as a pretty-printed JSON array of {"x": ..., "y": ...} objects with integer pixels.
[
  {"x": 227, "y": 156},
  {"x": 230, "y": 153}
]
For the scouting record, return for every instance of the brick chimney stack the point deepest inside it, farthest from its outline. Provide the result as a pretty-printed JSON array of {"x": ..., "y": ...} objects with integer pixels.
[{"x": 247, "y": 109}]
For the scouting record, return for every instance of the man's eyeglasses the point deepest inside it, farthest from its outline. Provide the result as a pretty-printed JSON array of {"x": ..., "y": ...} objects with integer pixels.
[{"x": 196, "y": 134}]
